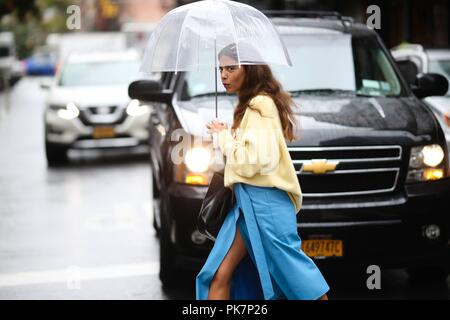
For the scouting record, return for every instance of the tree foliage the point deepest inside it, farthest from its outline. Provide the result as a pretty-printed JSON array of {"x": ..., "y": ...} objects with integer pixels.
[{"x": 32, "y": 20}]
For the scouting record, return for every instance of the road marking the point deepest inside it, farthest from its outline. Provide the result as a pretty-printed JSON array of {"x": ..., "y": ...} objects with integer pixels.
[{"x": 83, "y": 274}]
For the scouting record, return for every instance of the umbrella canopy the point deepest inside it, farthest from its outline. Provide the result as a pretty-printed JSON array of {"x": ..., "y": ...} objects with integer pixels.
[{"x": 189, "y": 37}]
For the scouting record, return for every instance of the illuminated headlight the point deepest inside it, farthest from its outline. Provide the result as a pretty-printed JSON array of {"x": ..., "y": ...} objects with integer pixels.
[
  {"x": 433, "y": 155},
  {"x": 426, "y": 163},
  {"x": 69, "y": 112},
  {"x": 197, "y": 159},
  {"x": 195, "y": 167},
  {"x": 135, "y": 109}
]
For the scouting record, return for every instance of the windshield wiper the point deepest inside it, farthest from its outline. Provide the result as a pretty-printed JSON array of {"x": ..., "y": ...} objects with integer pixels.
[
  {"x": 321, "y": 92},
  {"x": 326, "y": 92},
  {"x": 209, "y": 94}
]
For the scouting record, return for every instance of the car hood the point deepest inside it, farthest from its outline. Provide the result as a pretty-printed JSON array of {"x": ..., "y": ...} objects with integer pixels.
[
  {"x": 325, "y": 121},
  {"x": 89, "y": 96}
]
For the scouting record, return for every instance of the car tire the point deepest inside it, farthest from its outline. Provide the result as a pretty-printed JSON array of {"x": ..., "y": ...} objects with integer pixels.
[
  {"x": 433, "y": 274},
  {"x": 167, "y": 273},
  {"x": 56, "y": 155}
]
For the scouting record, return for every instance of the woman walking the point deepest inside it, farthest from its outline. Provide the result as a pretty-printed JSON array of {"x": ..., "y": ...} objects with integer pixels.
[{"x": 257, "y": 253}]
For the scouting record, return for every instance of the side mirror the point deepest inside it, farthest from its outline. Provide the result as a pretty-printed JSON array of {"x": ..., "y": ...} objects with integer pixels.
[
  {"x": 430, "y": 84},
  {"x": 149, "y": 90},
  {"x": 409, "y": 70}
]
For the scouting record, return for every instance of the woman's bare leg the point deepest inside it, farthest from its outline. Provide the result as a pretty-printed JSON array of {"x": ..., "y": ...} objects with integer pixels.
[
  {"x": 324, "y": 297},
  {"x": 220, "y": 285}
]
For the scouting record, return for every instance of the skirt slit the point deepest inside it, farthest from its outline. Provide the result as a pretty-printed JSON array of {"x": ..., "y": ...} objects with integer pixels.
[{"x": 275, "y": 267}]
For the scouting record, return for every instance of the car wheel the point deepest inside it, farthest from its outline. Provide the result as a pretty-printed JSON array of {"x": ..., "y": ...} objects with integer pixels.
[
  {"x": 56, "y": 155},
  {"x": 429, "y": 274},
  {"x": 167, "y": 272}
]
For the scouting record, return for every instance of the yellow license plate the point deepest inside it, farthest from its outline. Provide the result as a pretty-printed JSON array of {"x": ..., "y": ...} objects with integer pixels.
[
  {"x": 323, "y": 248},
  {"x": 103, "y": 132}
]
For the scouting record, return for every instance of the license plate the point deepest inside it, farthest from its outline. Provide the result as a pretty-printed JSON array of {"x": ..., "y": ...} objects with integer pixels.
[
  {"x": 323, "y": 248},
  {"x": 103, "y": 132}
]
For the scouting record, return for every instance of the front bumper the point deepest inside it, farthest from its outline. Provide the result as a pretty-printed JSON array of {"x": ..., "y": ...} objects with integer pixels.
[
  {"x": 388, "y": 233},
  {"x": 132, "y": 131}
]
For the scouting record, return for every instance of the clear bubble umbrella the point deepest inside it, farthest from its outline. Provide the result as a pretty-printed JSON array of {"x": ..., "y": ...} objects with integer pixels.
[{"x": 190, "y": 36}]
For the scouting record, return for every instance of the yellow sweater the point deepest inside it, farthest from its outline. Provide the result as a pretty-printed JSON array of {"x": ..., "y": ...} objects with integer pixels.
[{"x": 257, "y": 153}]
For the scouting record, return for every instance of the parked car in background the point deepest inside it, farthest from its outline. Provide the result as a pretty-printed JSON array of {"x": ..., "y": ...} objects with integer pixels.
[
  {"x": 66, "y": 43},
  {"x": 88, "y": 105},
  {"x": 11, "y": 69},
  {"x": 370, "y": 156},
  {"x": 414, "y": 59},
  {"x": 42, "y": 62}
]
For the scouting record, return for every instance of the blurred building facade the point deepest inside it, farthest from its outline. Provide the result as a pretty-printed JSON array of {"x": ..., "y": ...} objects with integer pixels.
[
  {"x": 110, "y": 15},
  {"x": 415, "y": 21}
]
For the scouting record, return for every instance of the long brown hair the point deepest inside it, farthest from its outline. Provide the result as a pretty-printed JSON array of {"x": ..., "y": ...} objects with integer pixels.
[{"x": 259, "y": 79}]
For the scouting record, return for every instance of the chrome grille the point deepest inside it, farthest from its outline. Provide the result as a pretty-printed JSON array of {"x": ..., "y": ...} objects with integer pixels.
[
  {"x": 360, "y": 170},
  {"x": 93, "y": 115}
]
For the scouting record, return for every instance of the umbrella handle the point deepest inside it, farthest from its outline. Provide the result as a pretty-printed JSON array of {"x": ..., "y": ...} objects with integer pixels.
[
  {"x": 214, "y": 135},
  {"x": 215, "y": 70}
]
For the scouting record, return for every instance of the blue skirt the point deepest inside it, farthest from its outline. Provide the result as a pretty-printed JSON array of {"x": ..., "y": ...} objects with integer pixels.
[{"x": 275, "y": 267}]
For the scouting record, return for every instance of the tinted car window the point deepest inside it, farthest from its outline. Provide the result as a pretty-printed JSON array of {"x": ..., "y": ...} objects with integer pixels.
[
  {"x": 329, "y": 61},
  {"x": 4, "y": 52},
  {"x": 374, "y": 72},
  {"x": 409, "y": 70}
]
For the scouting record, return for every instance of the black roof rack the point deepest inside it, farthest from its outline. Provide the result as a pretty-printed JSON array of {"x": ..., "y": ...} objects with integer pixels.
[{"x": 309, "y": 14}]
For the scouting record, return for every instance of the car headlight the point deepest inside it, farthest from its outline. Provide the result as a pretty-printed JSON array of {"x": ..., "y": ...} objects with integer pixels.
[
  {"x": 135, "y": 109},
  {"x": 426, "y": 163},
  {"x": 69, "y": 112},
  {"x": 197, "y": 159},
  {"x": 195, "y": 167},
  {"x": 433, "y": 155}
]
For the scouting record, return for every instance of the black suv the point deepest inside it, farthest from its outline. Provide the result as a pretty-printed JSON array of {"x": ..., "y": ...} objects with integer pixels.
[{"x": 371, "y": 158}]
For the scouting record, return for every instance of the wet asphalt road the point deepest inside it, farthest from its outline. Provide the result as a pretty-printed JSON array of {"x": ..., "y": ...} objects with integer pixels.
[{"x": 83, "y": 231}]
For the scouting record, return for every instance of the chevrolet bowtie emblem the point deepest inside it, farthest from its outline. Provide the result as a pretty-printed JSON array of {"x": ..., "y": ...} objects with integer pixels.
[{"x": 319, "y": 166}]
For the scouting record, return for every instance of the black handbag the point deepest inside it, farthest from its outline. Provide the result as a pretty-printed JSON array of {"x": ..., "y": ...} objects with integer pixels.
[{"x": 215, "y": 206}]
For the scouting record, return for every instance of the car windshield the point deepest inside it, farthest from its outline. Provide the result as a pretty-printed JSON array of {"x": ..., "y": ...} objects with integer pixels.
[
  {"x": 99, "y": 73},
  {"x": 4, "y": 52},
  {"x": 322, "y": 64},
  {"x": 441, "y": 67},
  {"x": 44, "y": 57}
]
